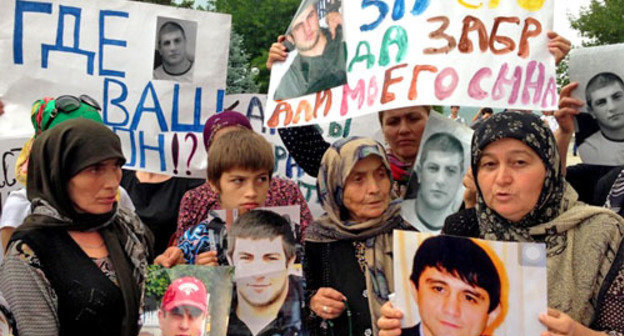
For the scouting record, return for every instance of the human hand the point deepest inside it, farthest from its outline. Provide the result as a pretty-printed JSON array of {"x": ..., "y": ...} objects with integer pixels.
[
  {"x": 328, "y": 303},
  {"x": 470, "y": 194},
  {"x": 1, "y": 108},
  {"x": 558, "y": 46},
  {"x": 334, "y": 19},
  {"x": 277, "y": 53},
  {"x": 171, "y": 257},
  {"x": 568, "y": 108},
  {"x": 208, "y": 258},
  {"x": 389, "y": 323},
  {"x": 560, "y": 324}
]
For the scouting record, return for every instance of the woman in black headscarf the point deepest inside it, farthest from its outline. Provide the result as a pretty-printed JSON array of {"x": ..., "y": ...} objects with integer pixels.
[{"x": 77, "y": 264}]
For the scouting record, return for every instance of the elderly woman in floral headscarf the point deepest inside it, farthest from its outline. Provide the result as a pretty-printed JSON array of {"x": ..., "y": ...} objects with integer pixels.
[
  {"x": 348, "y": 263},
  {"x": 522, "y": 196}
]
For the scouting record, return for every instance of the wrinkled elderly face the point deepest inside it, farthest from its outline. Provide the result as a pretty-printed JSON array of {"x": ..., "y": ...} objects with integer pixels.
[
  {"x": 511, "y": 177},
  {"x": 367, "y": 189},
  {"x": 305, "y": 31},
  {"x": 448, "y": 306},
  {"x": 607, "y": 106},
  {"x": 94, "y": 189},
  {"x": 172, "y": 47}
]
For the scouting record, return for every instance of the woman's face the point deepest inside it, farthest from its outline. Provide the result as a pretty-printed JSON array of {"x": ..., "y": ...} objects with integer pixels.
[
  {"x": 367, "y": 189},
  {"x": 511, "y": 177},
  {"x": 94, "y": 189},
  {"x": 243, "y": 189},
  {"x": 403, "y": 129}
]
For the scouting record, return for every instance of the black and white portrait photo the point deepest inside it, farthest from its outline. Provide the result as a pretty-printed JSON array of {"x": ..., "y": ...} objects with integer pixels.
[
  {"x": 599, "y": 72},
  {"x": 442, "y": 162},
  {"x": 315, "y": 40},
  {"x": 175, "y": 49}
]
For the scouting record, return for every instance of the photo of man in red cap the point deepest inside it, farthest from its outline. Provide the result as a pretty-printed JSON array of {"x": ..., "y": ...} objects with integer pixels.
[{"x": 184, "y": 308}]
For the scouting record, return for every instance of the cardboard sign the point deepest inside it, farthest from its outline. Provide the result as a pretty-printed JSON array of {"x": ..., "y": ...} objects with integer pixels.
[
  {"x": 403, "y": 53},
  {"x": 156, "y": 88}
]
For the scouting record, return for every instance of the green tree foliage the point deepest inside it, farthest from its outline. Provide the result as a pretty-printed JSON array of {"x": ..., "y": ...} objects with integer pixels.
[
  {"x": 240, "y": 78},
  {"x": 601, "y": 23},
  {"x": 260, "y": 22}
]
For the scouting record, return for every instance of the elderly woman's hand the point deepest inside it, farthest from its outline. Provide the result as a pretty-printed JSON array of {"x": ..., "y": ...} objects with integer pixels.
[
  {"x": 328, "y": 303},
  {"x": 208, "y": 258},
  {"x": 389, "y": 323},
  {"x": 171, "y": 257},
  {"x": 470, "y": 194},
  {"x": 277, "y": 53},
  {"x": 568, "y": 108},
  {"x": 558, "y": 46},
  {"x": 560, "y": 324}
]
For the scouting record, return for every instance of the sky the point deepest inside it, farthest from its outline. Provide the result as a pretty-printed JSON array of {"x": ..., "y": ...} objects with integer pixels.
[{"x": 562, "y": 24}]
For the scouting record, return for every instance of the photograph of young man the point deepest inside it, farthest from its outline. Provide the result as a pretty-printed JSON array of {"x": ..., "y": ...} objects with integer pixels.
[
  {"x": 176, "y": 64},
  {"x": 184, "y": 308}
]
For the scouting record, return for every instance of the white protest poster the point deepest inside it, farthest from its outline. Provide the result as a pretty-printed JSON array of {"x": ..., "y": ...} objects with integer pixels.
[
  {"x": 157, "y": 72},
  {"x": 435, "y": 189},
  {"x": 254, "y": 107},
  {"x": 187, "y": 300},
  {"x": 599, "y": 72},
  {"x": 451, "y": 285},
  {"x": 10, "y": 148},
  {"x": 447, "y": 52}
]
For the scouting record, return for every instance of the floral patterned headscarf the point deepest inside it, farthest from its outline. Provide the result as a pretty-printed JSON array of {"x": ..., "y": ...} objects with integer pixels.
[{"x": 529, "y": 129}]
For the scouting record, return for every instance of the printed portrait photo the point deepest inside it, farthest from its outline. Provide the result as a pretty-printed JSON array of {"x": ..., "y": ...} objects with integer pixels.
[
  {"x": 600, "y": 73},
  {"x": 187, "y": 300},
  {"x": 174, "y": 55},
  {"x": 316, "y": 59},
  {"x": 268, "y": 295},
  {"x": 435, "y": 189},
  {"x": 448, "y": 285}
]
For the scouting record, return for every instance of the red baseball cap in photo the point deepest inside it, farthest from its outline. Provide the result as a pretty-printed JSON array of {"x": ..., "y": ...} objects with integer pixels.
[{"x": 186, "y": 291}]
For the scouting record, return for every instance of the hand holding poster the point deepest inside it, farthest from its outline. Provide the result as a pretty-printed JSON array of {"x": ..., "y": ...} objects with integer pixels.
[
  {"x": 599, "y": 72},
  {"x": 435, "y": 189},
  {"x": 154, "y": 93},
  {"x": 427, "y": 53},
  {"x": 447, "y": 285}
]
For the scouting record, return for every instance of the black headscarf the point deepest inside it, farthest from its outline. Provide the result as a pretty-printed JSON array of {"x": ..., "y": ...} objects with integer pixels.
[
  {"x": 529, "y": 129},
  {"x": 59, "y": 154}
]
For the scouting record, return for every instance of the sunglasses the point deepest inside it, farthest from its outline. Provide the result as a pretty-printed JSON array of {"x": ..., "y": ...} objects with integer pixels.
[
  {"x": 68, "y": 104},
  {"x": 180, "y": 311}
]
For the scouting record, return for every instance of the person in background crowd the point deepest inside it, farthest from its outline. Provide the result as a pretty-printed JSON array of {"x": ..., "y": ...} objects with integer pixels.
[
  {"x": 77, "y": 264},
  {"x": 352, "y": 240},
  {"x": 197, "y": 203},
  {"x": 157, "y": 198},
  {"x": 483, "y": 114},
  {"x": 45, "y": 114},
  {"x": 455, "y": 115},
  {"x": 522, "y": 196}
]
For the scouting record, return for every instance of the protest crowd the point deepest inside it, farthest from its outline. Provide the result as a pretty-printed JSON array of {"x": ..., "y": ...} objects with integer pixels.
[{"x": 82, "y": 232}]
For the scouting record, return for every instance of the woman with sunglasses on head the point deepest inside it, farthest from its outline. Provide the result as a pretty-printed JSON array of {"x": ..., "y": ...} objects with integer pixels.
[
  {"x": 45, "y": 114},
  {"x": 76, "y": 266}
]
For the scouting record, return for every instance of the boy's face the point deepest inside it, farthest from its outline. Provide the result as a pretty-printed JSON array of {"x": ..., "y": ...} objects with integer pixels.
[
  {"x": 448, "y": 306},
  {"x": 607, "y": 104},
  {"x": 243, "y": 189}
]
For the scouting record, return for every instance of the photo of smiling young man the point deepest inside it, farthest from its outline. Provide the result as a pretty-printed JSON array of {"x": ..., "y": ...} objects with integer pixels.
[
  {"x": 175, "y": 45},
  {"x": 440, "y": 168},
  {"x": 268, "y": 298},
  {"x": 454, "y": 297},
  {"x": 184, "y": 308}
]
